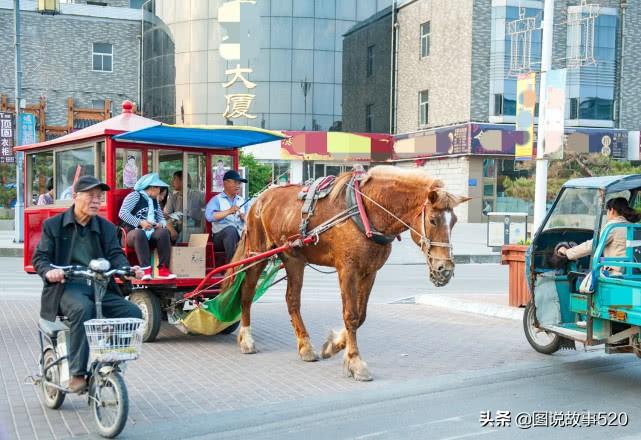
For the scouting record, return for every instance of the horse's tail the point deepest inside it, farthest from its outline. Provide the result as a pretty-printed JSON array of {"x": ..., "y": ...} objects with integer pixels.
[{"x": 238, "y": 255}]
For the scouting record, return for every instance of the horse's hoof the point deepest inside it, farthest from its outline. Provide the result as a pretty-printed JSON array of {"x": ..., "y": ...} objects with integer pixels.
[
  {"x": 245, "y": 341},
  {"x": 363, "y": 376},
  {"x": 329, "y": 348},
  {"x": 247, "y": 349},
  {"x": 308, "y": 355},
  {"x": 358, "y": 370}
]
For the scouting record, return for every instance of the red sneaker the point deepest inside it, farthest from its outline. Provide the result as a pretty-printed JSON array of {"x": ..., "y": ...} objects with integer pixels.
[
  {"x": 163, "y": 272},
  {"x": 146, "y": 274}
]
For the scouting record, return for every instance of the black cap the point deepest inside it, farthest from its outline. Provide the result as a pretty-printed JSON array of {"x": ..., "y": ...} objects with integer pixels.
[
  {"x": 233, "y": 175},
  {"x": 86, "y": 183}
]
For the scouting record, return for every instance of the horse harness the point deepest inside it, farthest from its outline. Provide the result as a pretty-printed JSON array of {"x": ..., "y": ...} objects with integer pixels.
[{"x": 322, "y": 186}]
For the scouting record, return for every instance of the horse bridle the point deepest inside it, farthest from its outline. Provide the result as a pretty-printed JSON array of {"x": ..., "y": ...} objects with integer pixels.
[{"x": 425, "y": 243}]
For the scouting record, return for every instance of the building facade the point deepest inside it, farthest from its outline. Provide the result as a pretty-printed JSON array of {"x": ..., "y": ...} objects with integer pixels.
[
  {"x": 289, "y": 53},
  {"x": 367, "y": 64},
  {"x": 88, "y": 52},
  {"x": 454, "y": 95}
]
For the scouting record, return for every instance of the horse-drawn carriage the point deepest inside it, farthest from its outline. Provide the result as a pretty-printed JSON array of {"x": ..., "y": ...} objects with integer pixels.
[
  {"x": 120, "y": 150},
  {"x": 595, "y": 299},
  {"x": 348, "y": 223}
]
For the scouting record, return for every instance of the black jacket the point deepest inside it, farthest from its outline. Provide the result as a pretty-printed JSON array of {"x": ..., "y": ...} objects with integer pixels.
[{"x": 58, "y": 236}]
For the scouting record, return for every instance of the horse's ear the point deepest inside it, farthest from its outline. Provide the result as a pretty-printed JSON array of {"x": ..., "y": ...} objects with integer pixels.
[
  {"x": 433, "y": 196},
  {"x": 460, "y": 199}
]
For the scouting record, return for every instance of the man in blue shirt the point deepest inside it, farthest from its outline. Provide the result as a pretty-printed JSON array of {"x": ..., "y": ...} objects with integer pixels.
[{"x": 226, "y": 215}]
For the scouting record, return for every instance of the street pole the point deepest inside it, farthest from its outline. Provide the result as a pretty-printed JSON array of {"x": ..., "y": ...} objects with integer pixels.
[
  {"x": 541, "y": 182},
  {"x": 141, "y": 67},
  {"x": 19, "y": 209}
]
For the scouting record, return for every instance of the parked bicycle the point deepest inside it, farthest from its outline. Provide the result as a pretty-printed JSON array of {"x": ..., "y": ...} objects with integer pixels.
[{"x": 112, "y": 343}]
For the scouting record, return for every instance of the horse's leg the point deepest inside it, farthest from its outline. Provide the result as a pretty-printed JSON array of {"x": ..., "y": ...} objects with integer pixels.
[
  {"x": 295, "y": 269},
  {"x": 247, "y": 291},
  {"x": 353, "y": 365},
  {"x": 337, "y": 341}
]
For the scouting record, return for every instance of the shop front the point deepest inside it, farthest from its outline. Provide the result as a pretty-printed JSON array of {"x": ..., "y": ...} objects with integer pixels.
[{"x": 477, "y": 160}]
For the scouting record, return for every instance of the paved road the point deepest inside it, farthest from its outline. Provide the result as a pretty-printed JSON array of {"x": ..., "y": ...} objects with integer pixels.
[
  {"x": 393, "y": 283},
  {"x": 434, "y": 371},
  {"x": 449, "y": 407}
]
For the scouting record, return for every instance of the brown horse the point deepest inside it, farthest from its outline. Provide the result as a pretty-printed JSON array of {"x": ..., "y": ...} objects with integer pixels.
[{"x": 418, "y": 200}]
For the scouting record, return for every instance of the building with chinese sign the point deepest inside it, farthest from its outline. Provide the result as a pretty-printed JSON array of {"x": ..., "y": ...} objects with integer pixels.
[
  {"x": 454, "y": 89},
  {"x": 275, "y": 64}
]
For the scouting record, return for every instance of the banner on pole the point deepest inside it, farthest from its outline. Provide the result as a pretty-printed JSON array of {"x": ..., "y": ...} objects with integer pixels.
[
  {"x": 525, "y": 103},
  {"x": 6, "y": 138},
  {"x": 554, "y": 123},
  {"x": 27, "y": 129}
]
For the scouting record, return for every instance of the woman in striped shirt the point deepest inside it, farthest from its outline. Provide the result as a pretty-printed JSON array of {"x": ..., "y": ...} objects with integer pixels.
[{"x": 144, "y": 220}]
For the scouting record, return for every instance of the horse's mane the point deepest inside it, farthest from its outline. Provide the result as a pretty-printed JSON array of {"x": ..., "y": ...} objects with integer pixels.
[{"x": 411, "y": 177}]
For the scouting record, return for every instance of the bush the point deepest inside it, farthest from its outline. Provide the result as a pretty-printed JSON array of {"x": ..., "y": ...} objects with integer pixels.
[{"x": 259, "y": 175}]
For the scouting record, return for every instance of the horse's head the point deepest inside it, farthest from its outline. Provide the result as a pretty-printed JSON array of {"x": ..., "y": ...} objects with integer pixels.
[{"x": 434, "y": 226}]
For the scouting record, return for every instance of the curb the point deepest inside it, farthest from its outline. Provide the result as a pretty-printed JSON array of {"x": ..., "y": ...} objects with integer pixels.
[
  {"x": 486, "y": 309},
  {"x": 477, "y": 259}
]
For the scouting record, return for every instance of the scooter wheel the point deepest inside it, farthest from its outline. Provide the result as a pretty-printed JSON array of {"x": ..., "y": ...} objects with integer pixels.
[
  {"x": 540, "y": 340},
  {"x": 53, "y": 397},
  {"x": 110, "y": 404}
]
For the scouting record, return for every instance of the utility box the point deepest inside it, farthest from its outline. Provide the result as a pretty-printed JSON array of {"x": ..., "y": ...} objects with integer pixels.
[{"x": 505, "y": 228}]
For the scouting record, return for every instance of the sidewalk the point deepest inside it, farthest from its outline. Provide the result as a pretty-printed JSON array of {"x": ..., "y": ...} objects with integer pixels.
[
  {"x": 490, "y": 305},
  {"x": 468, "y": 241},
  {"x": 7, "y": 247}
]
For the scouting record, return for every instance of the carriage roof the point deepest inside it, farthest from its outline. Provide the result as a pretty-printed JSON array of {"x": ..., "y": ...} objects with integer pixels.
[{"x": 610, "y": 184}]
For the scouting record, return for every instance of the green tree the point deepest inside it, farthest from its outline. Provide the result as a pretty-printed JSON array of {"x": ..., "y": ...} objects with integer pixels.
[
  {"x": 573, "y": 166},
  {"x": 7, "y": 175},
  {"x": 259, "y": 175}
]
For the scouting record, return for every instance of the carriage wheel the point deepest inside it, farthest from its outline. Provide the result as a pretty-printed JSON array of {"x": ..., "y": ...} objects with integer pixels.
[
  {"x": 53, "y": 396},
  {"x": 149, "y": 305},
  {"x": 540, "y": 340}
]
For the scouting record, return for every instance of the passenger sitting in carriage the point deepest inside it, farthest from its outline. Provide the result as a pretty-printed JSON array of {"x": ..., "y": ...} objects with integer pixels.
[
  {"x": 226, "y": 212},
  {"x": 145, "y": 222}
]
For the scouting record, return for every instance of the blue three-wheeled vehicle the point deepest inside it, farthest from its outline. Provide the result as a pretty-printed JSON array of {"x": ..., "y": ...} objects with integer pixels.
[{"x": 566, "y": 307}]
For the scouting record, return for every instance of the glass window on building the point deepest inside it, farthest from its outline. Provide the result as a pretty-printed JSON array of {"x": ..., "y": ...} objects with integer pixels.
[
  {"x": 423, "y": 107},
  {"x": 591, "y": 85},
  {"x": 498, "y": 104},
  {"x": 425, "y": 39},
  {"x": 369, "y": 117},
  {"x": 102, "y": 57},
  {"x": 502, "y": 77},
  {"x": 370, "y": 60}
]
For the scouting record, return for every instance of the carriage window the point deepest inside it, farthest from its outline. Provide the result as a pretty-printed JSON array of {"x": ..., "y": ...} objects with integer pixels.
[
  {"x": 71, "y": 164},
  {"x": 128, "y": 167},
  {"x": 194, "y": 204},
  {"x": 577, "y": 208},
  {"x": 102, "y": 169},
  {"x": 220, "y": 164},
  {"x": 40, "y": 181},
  {"x": 169, "y": 161}
]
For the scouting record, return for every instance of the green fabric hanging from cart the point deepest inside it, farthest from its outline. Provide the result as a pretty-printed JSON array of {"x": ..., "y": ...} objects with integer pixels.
[{"x": 218, "y": 313}]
